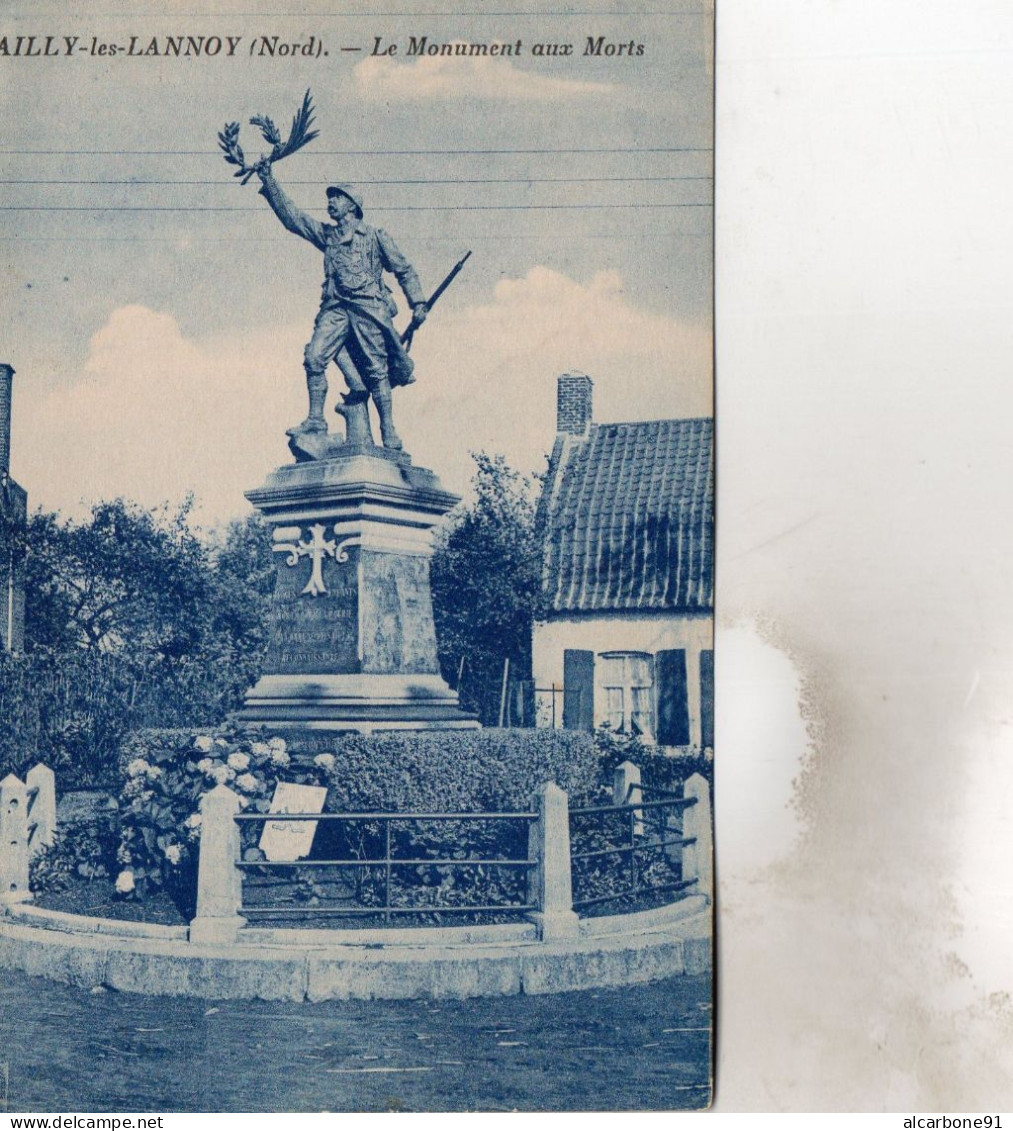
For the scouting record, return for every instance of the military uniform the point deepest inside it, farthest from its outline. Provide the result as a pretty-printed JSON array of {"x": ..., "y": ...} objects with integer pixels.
[{"x": 354, "y": 325}]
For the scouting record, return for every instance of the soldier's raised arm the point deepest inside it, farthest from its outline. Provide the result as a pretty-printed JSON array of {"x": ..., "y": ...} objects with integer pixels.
[{"x": 297, "y": 221}]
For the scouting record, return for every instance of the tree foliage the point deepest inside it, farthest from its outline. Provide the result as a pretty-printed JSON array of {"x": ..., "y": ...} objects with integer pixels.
[
  {"x": 132, "y": 619},
  {"x": 486, "y": 583},
  {"x": 142, "y": 584}
]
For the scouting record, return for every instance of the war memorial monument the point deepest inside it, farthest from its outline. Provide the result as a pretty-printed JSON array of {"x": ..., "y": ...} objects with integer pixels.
[{"x": 352, "y": 640}]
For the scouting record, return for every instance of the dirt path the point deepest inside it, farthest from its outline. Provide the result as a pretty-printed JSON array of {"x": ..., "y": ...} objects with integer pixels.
[{"x": 71, "y": 1050}]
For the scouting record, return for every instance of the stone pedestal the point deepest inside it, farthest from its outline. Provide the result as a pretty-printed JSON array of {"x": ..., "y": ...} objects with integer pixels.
[{"x": 353, "y": 645}]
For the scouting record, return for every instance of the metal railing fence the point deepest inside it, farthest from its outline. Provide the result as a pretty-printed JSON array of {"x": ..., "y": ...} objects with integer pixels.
[
  {"x": 388, "y": 864},
  {"x": 633, "y": 819},
  {"x": 631, "y": 851}
]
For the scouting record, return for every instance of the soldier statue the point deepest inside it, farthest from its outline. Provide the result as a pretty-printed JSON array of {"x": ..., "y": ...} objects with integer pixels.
[{"x": 354, "y": 326}]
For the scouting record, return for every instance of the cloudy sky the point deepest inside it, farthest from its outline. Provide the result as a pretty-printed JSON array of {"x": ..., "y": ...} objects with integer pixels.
[{"x": 156, "y": 311}]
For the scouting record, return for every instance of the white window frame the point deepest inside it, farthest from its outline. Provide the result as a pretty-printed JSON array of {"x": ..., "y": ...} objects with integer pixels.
[{"x": 628, "y": 671}]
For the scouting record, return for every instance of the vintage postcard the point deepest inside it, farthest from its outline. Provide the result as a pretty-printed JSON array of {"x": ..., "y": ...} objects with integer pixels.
[{"x": 356, "y": 557}]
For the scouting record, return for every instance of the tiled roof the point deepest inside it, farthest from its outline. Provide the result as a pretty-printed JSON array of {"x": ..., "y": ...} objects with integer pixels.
[{"x": 627, "y": 518}]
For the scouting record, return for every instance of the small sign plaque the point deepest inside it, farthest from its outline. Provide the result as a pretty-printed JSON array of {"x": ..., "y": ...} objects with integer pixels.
[{"x": 292, "y": 840}]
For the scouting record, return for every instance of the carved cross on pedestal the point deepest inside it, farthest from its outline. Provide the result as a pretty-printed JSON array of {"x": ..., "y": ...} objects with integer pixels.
[{"x": 316, "y": 549}]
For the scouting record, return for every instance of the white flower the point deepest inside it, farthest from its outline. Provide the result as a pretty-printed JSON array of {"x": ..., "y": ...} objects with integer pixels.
[
  {"x": 280, "y": 758},
  {"x": 278, "y": 744},
  {"x": 173, "y": 853},
  {"x": 261, "y": 749},
  {"x": 206, "y": 765},
  {"x": 138, "y": 767},
  {"x": 220, "y": 742},
  {"x": 204, "y": 744},
  {"x": 134, "y": 787},
  {"x": 193, "y": 821},
  {"x": 238, "y": 761},
  {"x": 324, "y": 761},
  {"x": 248, "y": 782},
  {"x": 155, "y": 772},
  {"x": 221, "y": 774},
  {"x": 125, "y": 882},
  {"x": 136, "y": 791}
]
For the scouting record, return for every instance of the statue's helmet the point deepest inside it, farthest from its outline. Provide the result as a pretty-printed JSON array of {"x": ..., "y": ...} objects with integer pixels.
[{"x": 346, "y": 190}]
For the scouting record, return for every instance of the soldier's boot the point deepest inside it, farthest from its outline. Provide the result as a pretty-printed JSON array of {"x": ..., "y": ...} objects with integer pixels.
[
  {"x": 316, "y": 383},
  {"x": 388, "y": 433}
]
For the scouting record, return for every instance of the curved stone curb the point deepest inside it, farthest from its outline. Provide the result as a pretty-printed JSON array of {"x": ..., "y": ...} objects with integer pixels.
[
  {"x": 32, "y": 916},
  {"x": 307, "y": 972}
]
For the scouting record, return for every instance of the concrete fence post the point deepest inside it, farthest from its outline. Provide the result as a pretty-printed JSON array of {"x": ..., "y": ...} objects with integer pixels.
[
  {"x": 551, "y": 885},
  {"x": 698, "y": 858},
  {"x": 625, "y": 775},
  {"x": 219, "y": 881},
  {"x": 41, "y": 783},
  {"x": 13, "y": 841}
]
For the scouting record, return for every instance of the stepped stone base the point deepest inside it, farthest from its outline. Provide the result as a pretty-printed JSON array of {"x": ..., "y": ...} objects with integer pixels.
[{"x": 355, "y": 702}]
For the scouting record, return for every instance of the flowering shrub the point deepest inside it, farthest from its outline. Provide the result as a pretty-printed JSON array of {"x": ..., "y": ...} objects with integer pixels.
[
  {"x": 167, "y": 773},
  {"x": 82, "y": 850},
  {"x": 603, "y": 881}
]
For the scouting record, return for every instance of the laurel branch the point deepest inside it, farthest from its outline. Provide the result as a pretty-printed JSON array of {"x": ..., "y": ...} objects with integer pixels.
[{"x": 301, "y": 133}]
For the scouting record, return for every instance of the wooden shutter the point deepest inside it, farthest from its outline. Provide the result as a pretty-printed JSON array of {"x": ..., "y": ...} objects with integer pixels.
[
  {"x": 707, "y": 698},
  {"x": 673, "y": 698},
  {"x": 578, "y": 689}
]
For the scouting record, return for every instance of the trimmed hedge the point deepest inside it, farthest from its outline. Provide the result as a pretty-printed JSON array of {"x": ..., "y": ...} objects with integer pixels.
[
  {"x": 167, "y": 773},
  {"x": 489, "y": 769},
  {"x": 480, "y": 770}
]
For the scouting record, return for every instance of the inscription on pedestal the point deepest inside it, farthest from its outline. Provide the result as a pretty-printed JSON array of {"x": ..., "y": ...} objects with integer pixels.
[{"x": 315, "y": 632}]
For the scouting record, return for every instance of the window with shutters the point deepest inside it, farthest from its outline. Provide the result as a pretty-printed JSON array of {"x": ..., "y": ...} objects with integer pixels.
[{"x": 628, "y": 683}]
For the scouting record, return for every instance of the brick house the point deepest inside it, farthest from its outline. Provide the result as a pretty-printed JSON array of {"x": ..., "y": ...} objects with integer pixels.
[
  {"x": 626, "y": 522},
  {"x": 13, "y": 518}
]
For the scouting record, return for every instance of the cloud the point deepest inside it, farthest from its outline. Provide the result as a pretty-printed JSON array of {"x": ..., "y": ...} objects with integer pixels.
[
  {"x": 379, "y": 79},
  {"x": 155, "y": 414},
  {"x": 487, "y": 374}
]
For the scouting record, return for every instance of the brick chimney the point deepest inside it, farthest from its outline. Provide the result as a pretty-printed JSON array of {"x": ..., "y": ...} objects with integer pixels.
[
  {"x": 6, "y": 391},
  {"x": 574, "y": 404}
]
